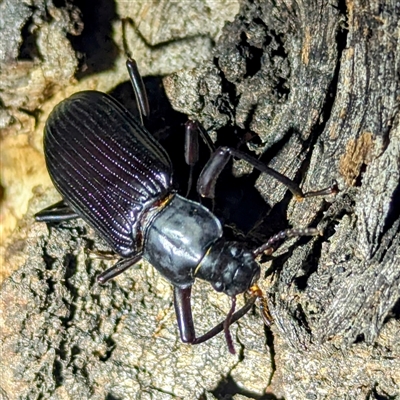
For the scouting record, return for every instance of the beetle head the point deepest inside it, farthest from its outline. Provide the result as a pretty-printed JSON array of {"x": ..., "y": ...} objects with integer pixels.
[{"x": 229, "y": 267}]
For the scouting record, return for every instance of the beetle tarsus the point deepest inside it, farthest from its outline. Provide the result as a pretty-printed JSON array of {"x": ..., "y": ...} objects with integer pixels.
[
  {"x": 262, "y": 304},
  {"x": 332, "y": 189}
]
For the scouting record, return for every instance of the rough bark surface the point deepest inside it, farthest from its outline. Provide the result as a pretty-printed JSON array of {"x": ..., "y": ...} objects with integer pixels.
[{"x": 313, "y": 89}]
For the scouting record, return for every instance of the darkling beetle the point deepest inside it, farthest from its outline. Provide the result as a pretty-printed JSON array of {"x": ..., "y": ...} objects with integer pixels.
[{"x": 112, "y": 173}]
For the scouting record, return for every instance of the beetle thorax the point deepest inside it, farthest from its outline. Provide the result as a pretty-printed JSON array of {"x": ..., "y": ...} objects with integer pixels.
[{"x": 178, "y": 237}]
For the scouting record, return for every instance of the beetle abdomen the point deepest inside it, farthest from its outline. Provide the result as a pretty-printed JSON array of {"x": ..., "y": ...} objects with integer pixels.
[{"x": 106, "y": 166}]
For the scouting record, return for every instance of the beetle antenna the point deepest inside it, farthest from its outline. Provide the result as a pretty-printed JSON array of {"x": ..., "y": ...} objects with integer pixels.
[
  {"x": 269, "y": 247},
  {"x": 227, "y": 323}
]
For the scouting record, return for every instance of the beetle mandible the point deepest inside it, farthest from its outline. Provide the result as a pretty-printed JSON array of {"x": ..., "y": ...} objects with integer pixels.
[{"x": 112, "y": 173}]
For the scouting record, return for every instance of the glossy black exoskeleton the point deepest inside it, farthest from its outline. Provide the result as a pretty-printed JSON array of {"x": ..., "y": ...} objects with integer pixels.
[{"x": 112, "y": 173}]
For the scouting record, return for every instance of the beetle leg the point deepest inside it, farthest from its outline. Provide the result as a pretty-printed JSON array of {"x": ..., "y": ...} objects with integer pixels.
[
  {"x": 211, "y": 171},
  {"x": 262, "y": 305},
  {"x": 138, "y": 88},
  {"x": 101, "y": 255},
  {"x": 185, "y": 319},
  {"x": 120, "y": 267},
  {"x": 269, "y": 247},
  {"x": 192, "y": 131},
  {"x": 183, "y": 311},
  {"x": 221, "y": 326},
  {"x": 217, "y": 162},
  {"x": 57, "y": 212},
  {"x": 191, "y": 149},
  {"x": 135, "y": 77}
]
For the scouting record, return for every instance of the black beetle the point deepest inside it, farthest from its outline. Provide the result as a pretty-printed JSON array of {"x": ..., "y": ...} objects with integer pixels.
[{"x": 112, "y": 173}]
